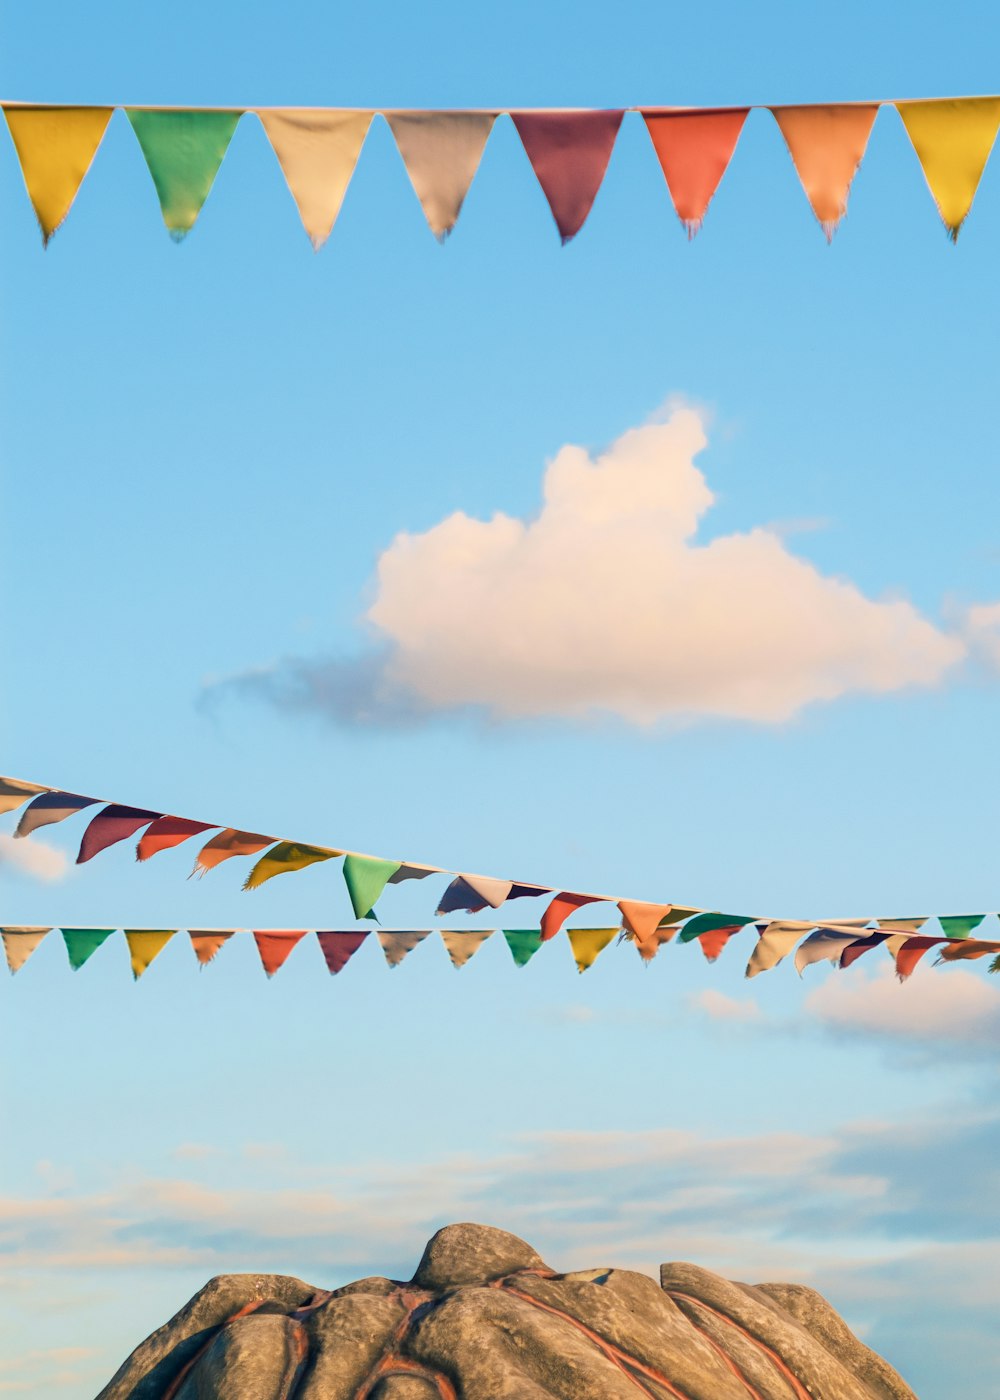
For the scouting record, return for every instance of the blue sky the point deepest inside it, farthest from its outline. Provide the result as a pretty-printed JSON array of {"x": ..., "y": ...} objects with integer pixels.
[{"x": 206, "y": 451}]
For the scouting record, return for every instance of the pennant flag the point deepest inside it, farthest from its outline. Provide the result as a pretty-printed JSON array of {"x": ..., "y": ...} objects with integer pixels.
[
  {"x": 462, "y": 943},
  {"x": 569, "y": 153},
  {"x": 642, "y": 922},
  {"x": 560, "y": 909},
  {"x": 51, "y": 807},
  {"x": 470, "y": 894},
  {"x": 967, "y": 948},
  {"x": 859, "y": 946},
  {"x": 910, "y": 953},
  {"x": 441, "y": 152},
  {"x": 82, "y": 942},
  {"x": 283, "y": 858},
  {"x": 408, "y": 871},
  {"x": 14, "y": 794},
  {"x": 366, "y": 877},
  {"x": 144, "y": 944},
  {"x": 960, "y": 925},
  {"x": 317, "y": 151},
  {"x": 953, "y": 139},
  {"x": 713, "y": 940},
  {"x": 523, "y": 943},
  {"x": 183, "y": 151},
  {"x": 777, "y": 939},
  {"x": 116, "y": 823},
  {"x": 167, "y": 832},
  {"x": 20, "y": 943},
  {"x": 712, "y": 923},
  {"x": 229, "y": 843},
  {"x": 587, "y": 943},
  {"x": 694, "y": 149},
  {"x": 339, "y": 948},
  {"x": 56, "y": 146},
  {"x": 826, "y": 145},
  {"x": 397, "y": 943},
  {"x": 901, "y": 925},
  {"x": 206, "y": 942},
  {"x": 824, "y": 945},
  {"x": 275, "y": 944}
]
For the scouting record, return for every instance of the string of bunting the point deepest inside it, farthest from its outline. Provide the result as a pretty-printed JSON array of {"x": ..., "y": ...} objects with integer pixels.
[
  {"x": 648, "y": 925},
  {"x": 569, "y": 152}
]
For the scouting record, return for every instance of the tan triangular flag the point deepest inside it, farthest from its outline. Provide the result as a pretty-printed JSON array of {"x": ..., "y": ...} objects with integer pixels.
[
  {"x": 396, "y": 943},
  {"x": 55, "y": 146},
  {"x": 953, "y": 138},
  {"x": 587, "y": 943},
  {"x": 441, "y": 152},
  {"x": 144, "y": 944},
  {"x": 317, "y": 151},
  {"x": 14, "y": 793},
  {"x": 462, "y": 943},
  {"x": 778, "y": 939},
  {"x": 20, "y": 943}
]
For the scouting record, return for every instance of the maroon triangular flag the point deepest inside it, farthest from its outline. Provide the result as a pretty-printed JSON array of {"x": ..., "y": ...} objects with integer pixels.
[
  {"x": 569, "y": 153},
  {"x": 115, "y": 823},
  {"x": 339, "y": 948}
]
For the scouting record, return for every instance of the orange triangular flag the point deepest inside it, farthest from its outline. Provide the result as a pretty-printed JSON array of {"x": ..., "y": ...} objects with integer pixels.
[
  {"x": 441, "y": 152},
  {"x": 694, "y": 149},
  {"x": 317, "y": 151},
  {"x": 953, "y": 138},
  {"x": 274, "y": 945},
  {"x": 229, "y": 843},
  {"x": 826, "y": 144},
  {"x": 55, "y": 146},
  {"x": 207, "y": 942},
  {"x": 642, "y": 921},
  {"x": 144, "y": 944}
]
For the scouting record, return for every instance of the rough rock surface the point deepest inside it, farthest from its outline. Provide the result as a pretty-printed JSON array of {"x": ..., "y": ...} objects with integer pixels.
[{"x": 483, "y": 1318}]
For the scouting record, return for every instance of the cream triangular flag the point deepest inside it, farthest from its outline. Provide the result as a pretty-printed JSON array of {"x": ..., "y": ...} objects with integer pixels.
[
  {"x": 778, "y": 939},
  {"x": 317, "y": 151},
  {"x": 20, "y": 943},
  {"x": 462, "y": 943},
  {"x": 441, "y": 152}
]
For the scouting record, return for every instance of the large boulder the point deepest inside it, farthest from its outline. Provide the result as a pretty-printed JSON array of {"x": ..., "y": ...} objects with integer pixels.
[{"x": 483, "y": 1318}]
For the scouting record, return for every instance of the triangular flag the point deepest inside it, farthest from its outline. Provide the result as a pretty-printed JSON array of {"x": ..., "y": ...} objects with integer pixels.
[
  {"x": 569, "y": 153},
  {"x": 912, "y": 950},
  {"x": 959, "y": 925},
  {"x": 560, "y": 909},
  {"x": 523, "y": 943},
  {"x": 470, "y": 894},
  {"x": 274, "y": 945},
  {"x": 441, "y": 152},
  {"x": 366, "y": 877},
  {"x": 587, "y": 943},
  {"x": 183, "y": 150},
  {"x": 167, "y": 832},
  {"x": 408, "y": 871},
  {"x": 778, "y": 939},
  {"x": 642, "y": 922},
  {"x": 859, "y": 946},
  {"x": 398, "y": 942},
  {"x": 51, "y": 807},
  {"x": 20, "y": 943},
  {"x": 82, "y": 942},
  {"x": 824, "y": 945},
  {"x": 317, "y": 151},
  {"x": 713, "y": 940},
  {"x": 206, "y": 942},
  {"x": 286, "y": 856},
  {"x": 826, "y": 144},
  {"x": 953, "y": 138},
  {"x": 229, "y": 843},
  {"x": 694, "y": 149},
  {"x": 901, "y": 925},
  {"x": 968, "y": 948},
  {"x": 338, "y": 948},
  {"x": 14, "y": 793},
  {"x": 116, "y": 823},
  {"x": 144, "y": 944},
  {"x": 711, "y": 923},
  {"x": 462, "y": 943},
  {"x": 55, "y": 146}
]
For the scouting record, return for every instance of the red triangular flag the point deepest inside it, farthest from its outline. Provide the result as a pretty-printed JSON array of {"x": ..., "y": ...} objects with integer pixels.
[
  {"x": 274, "y": 945},
  {"x": 569, "y": 153},
  {"x": 560, "y": 909},
  {"x": 694, "y": 149},
  {"x": 167, "y": 832}
]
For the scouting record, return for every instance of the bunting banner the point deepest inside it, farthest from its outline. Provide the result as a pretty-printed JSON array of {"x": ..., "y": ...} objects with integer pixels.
[
  {"x": 318, "y": 148},
  {"x": 366, "y": 877}
]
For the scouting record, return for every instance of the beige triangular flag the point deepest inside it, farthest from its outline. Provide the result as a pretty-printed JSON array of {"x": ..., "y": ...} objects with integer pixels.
[
  {"x": 396, "y": 943},
  {"x": 462, "y": 943},
  {"x": 587, "y": 943},
  {"x": 144, "y": 944},
  {"x": 776, "y": 942},
  {"x": 56, "y": 146},
  {"x": 14, "y": 793},
  {"x": 441, "y": 152},
  {"x": 20, "y": 943},
  {"x": 317, "y": 151},
  {"x": 826, "y": 945}
]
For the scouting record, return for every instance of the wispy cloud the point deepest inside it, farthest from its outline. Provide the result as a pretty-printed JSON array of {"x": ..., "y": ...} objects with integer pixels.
[
  {"x": 33, "y": 859},
  {"x": 950, "y": 1005},
  {"x": 721, "y": 1007}
]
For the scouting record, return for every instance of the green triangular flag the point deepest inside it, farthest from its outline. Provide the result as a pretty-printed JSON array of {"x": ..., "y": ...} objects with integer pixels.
[
  {"x": 960, "y": 925},
  {"x": 183, "y": 151},
  {"x": 366, "y": 877},
  {"x": 82, "y": 942},
  {"x": 706, "y": 923},
  {"x": 523, "y": 943}
]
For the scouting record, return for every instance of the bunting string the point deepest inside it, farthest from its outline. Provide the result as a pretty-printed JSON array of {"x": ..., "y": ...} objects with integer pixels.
[
  {"x": 648, "y": 924},
  {"x": 568, "y": 150}
]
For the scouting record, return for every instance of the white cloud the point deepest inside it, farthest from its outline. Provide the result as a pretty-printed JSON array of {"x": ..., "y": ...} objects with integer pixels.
[
  {"x": 720, "y": 1007},
  {"x": 981, "y": 629},
  {"x": 949, "y": 1004},
  {"x": 33, "y": 858}
]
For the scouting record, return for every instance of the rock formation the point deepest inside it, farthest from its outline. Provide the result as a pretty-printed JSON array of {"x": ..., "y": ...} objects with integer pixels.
[{"x": 483, "y": 1318}]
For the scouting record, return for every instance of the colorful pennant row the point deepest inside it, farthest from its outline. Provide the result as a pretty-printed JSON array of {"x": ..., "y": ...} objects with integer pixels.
[
  {"x": 366, "y": 877},
  {"x": 840, "y": 945},
  {"x": 569, "y": 151}
]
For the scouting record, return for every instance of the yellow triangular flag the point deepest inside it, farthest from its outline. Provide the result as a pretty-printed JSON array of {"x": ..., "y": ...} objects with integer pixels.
[
  {"x": 144, "y": 944},
  {"x": 462, "y": 943},
  {"x": 286, "y": 856},
  {"x": 55, "y": 146},
  {"x": 588, "y": 942},
  {"x": 317, "y": 151},
  {"x": 20, "y": 943},
  {"x": 441, "y": 152},
  {"x": 953, "y": 138}
]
